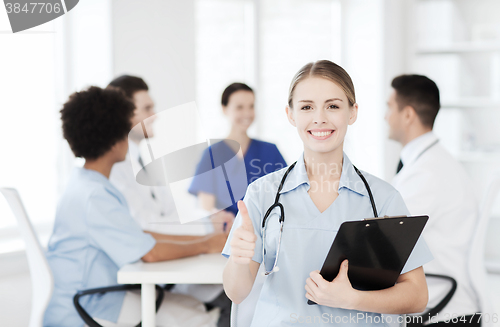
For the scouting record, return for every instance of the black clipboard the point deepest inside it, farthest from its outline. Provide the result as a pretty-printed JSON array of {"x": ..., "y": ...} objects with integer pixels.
[{"x": 377, "y": 250}]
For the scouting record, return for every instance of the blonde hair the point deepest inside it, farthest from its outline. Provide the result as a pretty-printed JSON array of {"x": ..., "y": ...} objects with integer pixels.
[{"x": 328, "y": 70}]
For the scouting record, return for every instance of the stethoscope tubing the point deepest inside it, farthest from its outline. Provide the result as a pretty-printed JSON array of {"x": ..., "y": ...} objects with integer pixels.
[
  {"x": 282, "y": 215},
  {"x": 280, "y": 187}
]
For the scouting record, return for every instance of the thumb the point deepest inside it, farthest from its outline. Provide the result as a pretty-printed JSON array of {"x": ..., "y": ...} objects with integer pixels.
[
  {"x": 246, "y": 221},
  {"x": 344, "y": 268}
]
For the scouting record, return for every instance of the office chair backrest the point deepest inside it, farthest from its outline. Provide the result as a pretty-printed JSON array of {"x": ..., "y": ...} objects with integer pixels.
[
  {"x": 42, "y": 282},
  {"x": 477, "y": 267}
]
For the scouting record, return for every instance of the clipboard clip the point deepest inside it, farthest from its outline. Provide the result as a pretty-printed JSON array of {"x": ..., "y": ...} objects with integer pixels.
[{"x": 375, "y": 218}]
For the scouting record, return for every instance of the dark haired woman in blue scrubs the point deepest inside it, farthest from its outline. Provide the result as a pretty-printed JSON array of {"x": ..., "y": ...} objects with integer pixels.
[{"x": 259, "y": 157}]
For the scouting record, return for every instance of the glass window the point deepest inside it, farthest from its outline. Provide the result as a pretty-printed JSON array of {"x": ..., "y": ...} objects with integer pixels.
[
  {"x": 30, "y": 127},
  {"x": 262, "y": 43}
]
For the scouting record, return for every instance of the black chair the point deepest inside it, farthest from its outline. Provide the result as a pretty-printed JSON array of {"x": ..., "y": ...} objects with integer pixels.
[
  {"x": 440, "y": 306},
  {"x": 88, "y": 319}
]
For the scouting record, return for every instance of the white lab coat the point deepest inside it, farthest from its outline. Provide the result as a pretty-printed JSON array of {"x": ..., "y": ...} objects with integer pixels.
[
  {"x": 435, "y": 184},
  {"x": 158, "y": 214},
  {"x": 150, "y": 213}
]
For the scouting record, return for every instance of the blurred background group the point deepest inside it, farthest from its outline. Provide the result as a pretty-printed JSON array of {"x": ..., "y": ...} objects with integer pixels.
[{"x": 191, "y": 50}]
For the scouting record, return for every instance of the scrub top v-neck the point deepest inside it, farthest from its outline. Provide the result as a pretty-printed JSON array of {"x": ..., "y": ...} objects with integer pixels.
[
  {"x": 261, "y": 158},
  {"x": 306, "y": 240}
]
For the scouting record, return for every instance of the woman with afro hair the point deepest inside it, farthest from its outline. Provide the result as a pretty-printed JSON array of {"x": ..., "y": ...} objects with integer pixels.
[{"x": 94, "y": 234}]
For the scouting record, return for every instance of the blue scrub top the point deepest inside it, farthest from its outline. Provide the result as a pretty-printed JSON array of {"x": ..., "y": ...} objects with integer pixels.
[
  {"x": 260, "y": 159},
  {"x": 306, "y": 240},
  {"x": 94, "y": 235}
]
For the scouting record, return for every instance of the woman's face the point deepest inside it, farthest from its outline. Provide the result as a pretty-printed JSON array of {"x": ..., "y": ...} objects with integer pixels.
[
  {"x": 240, "y": 109},
  {"x": 321, "y": 113}
]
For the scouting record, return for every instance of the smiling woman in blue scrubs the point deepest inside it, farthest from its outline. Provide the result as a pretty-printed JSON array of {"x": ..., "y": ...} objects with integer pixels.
[
  {"x": 321, "y": 191},
  {"x": 259, "y": 157}
]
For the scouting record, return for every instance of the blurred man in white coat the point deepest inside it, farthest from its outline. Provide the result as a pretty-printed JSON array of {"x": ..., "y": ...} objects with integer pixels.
[
  {"x": 152, "y": 206},
  {"x": 434, "y": 183}
]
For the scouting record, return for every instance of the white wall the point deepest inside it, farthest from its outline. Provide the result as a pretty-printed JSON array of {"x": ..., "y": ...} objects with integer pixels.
[
  {"x": 154, "y": 39},
  {"x": 394, "y": 63},
  {"x": 362, "y": 58}
]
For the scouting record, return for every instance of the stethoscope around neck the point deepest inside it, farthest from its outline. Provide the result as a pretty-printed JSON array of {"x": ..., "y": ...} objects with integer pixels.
[{"x": 277, "y": 204}]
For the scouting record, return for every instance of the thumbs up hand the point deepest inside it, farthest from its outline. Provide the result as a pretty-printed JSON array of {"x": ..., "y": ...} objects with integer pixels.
[
  {"x": 243, "y": 241},
  {"x": 247, "y": 222}
]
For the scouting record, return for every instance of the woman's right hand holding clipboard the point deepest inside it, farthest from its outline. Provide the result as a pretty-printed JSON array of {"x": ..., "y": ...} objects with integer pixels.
[{"x": 338, "y": 293}]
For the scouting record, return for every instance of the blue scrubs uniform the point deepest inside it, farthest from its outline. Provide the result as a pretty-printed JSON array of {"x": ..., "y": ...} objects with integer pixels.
[
  {"x": 307, "y": 237},
  {"x": 94, "y": 235},
  {"x": 260, "y": 159}
]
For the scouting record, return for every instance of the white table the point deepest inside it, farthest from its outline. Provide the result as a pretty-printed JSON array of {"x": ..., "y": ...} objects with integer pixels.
[{"x": 201, "y": 269}]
